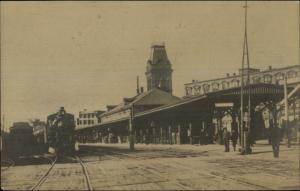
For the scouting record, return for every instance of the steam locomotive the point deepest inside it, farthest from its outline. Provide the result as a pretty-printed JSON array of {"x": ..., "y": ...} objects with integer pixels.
[{"x": 60, "y": 132}]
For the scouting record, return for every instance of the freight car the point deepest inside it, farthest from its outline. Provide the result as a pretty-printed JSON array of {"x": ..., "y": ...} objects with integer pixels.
[{"x": 60, "y": 132}]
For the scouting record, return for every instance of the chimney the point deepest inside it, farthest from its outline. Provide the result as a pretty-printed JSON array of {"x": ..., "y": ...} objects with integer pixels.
[
  {"x": 137, "y": 85},
  {"x": 227, "y": 75},
  {"x": 142, "y": 89},
  {"x": 270, "y": 67}
]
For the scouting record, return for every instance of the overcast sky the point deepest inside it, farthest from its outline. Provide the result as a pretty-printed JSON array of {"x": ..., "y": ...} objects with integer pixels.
[{"x": 88, "y": 54}]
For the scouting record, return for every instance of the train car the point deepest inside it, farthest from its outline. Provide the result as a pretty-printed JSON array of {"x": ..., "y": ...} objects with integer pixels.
[
  {"x": 21, "y": 139},
  {"x": 60, "y": 132}
]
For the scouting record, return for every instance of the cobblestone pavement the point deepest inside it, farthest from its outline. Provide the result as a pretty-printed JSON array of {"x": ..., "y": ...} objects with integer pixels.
[{"x": 169, "y": 167}]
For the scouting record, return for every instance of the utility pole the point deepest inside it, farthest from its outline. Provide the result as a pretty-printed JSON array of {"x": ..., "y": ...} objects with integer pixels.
[
  {"x": 245, "y": 148},
  {"x": 131, "y": 138},
  {"x": 286, "y": 116}
]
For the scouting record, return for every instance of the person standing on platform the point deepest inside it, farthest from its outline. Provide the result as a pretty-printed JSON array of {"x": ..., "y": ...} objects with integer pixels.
[
  {"x": 275, "y": 137},
  {"x": 189, "y": 133},
  {"x": 234, "y": 134},
  {"x": 226, "y": 138}
]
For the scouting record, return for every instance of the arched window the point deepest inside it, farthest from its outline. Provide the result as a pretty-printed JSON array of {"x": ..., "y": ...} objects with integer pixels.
[
  {"x": 197, "y": 90},
  {"x": 235, "y": 83},
  {"x": 187, "y": 91},
  {"x": 225, "y": 85},
  {"x": 215, "y": 86},
  {"x": 206, "y": 88},
  {"x": 268, "y": 78},
  {"x": 256, "y": 80},
  {"x": 279, "y": 77},
  {"x": 292, "y": 74}
]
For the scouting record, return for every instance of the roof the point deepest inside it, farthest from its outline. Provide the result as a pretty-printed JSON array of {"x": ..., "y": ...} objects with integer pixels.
[
  {"x": 264, "y": 88},
  {"x": 177, "y": 102},
  {"x": 151, "y": 97}
]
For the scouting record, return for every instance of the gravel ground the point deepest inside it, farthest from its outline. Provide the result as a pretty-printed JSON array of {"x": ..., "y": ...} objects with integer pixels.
[{"x": 165, "y": 167}]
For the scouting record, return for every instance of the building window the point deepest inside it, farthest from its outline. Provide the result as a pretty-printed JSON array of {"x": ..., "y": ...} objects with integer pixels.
[
  {"x": 215, "y": 86},
  {"x": 206, "y": 88},
  {"x": 197, "y": 89},
  {"x": 84, "y": 122},
  {"x": 99, "y": 120},
  {"x": 235, "y": 83},
  {"x": 189, "y": 90},
  {"x": 225, "y": 85},
  {"x": 80, "y": 115},
  {"x": 292, "y": 74},
  {"x": 268, "y": 79},
  {"x": 256, "y": 80},
  {"x": 279, "y": 76}
]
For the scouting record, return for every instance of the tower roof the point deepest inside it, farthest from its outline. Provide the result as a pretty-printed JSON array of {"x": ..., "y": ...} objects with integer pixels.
[{"x": 158, "y": 56}]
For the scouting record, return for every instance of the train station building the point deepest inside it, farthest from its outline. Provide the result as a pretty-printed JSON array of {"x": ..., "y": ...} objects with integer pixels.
[{"x": 158, "y": 117}]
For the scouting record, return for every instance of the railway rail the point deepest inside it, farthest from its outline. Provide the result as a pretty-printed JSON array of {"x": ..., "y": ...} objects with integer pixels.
[
  {"x": 44, "y": 177},
  {"x": 41, "y": 181},
  {"x": 9, "y": 162}
]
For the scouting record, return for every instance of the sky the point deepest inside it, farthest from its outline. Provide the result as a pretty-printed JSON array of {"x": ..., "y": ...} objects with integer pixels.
[{"x": 86, "y": 55}]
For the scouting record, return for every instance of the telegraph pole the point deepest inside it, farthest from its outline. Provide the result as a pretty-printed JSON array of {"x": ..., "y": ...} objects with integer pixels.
[
  {"x": 245, "y": 132},
  {"x": 131, "y": 138},
  {"x": 286, "y": 116}
]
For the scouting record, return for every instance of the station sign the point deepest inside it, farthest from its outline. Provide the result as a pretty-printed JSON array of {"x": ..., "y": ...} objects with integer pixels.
[{"x": 230, "y": 104}]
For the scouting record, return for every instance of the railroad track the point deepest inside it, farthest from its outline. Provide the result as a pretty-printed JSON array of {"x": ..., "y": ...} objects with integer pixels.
[
  {"x": 8, "y": 161},
  {"x": 86, "y": 174},
  {"x": 46, "y": 175}
]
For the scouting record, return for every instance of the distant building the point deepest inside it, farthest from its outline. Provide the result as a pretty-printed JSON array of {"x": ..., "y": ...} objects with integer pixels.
[
  {"x": 159, "y": 69},
  {"x": 87, "y": 118},
  {"x": 270, "y": 76}
]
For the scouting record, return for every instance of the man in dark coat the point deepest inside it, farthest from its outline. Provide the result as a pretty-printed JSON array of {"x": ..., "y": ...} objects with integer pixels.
[
  {"x": 226, "y": 138},
  {"x": 275, "y": 137}
]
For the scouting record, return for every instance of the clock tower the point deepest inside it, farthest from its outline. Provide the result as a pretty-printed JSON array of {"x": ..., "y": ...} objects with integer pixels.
[{"x": 159, "y": 69}]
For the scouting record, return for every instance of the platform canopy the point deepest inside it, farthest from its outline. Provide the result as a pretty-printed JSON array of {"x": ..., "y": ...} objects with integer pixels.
[{"x": 204, "y": 104}]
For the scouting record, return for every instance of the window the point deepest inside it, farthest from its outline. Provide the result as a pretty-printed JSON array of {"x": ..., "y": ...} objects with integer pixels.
[
  {"x": 235, "y": 83},
  {"x": 80, "y": 115},
  {"x": 189, "y": 90},
  {"x": 279, "y": 76},
  {"x": 256, "y": 80},
  {"x": 292, "y": 74},
  {"x": 197, "y": 89},
  {"x": 84, "y": 122},
  {"x": 215, "y": 86},
  {"x": 268, "y": 79},
  {"x": 206, "y": 88},
  {"x": 225, "y": 85}
]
